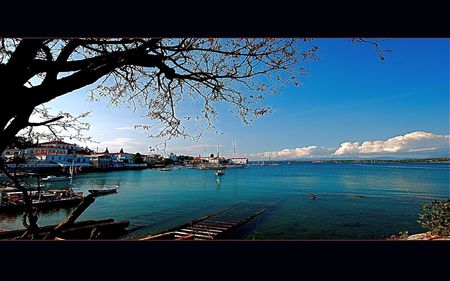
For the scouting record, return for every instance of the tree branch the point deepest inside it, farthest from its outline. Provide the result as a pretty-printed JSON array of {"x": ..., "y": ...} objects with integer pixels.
[
  {"x": 87, "y": 201},
  {"x": 45, "y": 122}
]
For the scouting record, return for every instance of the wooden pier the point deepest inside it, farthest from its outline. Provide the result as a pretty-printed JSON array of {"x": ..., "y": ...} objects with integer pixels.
[{"x": 214, "y": 226}]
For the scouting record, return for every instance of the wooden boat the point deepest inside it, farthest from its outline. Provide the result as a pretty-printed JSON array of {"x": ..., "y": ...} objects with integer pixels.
[
  {"x": 55, "y": 179},
  {"x": 103, "y": 191},
  {"x": 13, "y": 201}
]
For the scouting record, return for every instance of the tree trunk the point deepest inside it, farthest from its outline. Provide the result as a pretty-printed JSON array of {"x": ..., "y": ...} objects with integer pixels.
[{"x": 87, "y": 201}]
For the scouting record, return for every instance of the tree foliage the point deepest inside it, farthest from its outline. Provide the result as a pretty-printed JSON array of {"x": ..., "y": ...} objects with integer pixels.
[
  {"x": 435, "y": 217},
  {"x": 156, "y": 74}
]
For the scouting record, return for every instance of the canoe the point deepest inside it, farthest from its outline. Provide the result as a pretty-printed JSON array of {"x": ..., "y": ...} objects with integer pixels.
[{"x": 101, "y": 191}]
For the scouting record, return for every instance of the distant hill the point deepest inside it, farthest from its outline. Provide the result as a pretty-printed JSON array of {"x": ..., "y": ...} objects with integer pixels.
[{"x": 371, "y": 160}]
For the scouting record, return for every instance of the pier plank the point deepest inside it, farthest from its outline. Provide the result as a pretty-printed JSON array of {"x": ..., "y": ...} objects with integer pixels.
[{"x": 218, "y": 224}]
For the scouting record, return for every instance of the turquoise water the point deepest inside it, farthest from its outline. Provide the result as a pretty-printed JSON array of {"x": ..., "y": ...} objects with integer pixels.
[{"x": 157, "y": 200}]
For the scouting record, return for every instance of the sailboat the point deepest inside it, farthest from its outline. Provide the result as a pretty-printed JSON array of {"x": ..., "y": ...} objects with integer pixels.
[{"x": 219, "y": 171}]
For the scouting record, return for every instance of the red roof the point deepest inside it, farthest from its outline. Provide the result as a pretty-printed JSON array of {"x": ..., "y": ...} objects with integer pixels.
[{"x": 58, "y": 142}]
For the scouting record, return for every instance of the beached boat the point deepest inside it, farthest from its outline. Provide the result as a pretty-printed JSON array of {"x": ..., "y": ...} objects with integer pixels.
[
  {"x": 55, "y": 179},
  {"x": 13, "y": 201},
  {"x": 103, "y": 191}
]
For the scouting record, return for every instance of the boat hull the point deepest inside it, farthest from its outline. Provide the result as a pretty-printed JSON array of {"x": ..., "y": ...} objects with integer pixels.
[
  {"x": 62, "y": 203},
  {"x": 97, "y": 192}
]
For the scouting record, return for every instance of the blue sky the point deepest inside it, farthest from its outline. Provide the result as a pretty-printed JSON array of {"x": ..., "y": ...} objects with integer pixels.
[{"x": 349, "y": 95}]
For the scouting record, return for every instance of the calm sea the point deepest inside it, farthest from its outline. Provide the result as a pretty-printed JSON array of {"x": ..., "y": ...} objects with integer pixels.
[{"x": 354, "y": 201}]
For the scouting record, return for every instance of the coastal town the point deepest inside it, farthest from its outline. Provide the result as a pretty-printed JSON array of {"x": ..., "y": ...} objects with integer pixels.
[
  {"x": 58, "y": 162},
  {"x": 59, "y": 157}
]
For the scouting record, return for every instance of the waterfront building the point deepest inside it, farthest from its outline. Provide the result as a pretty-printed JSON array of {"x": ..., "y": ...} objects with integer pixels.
[
  {"x": 119, "y": 160},
  {"x": 40, "y": 153},
  {"x": 10, "y": 153},
  {"x": 101, "y": 161},
  {"x": 61, "y": 145},
  {"x": 66, "y": 160}
]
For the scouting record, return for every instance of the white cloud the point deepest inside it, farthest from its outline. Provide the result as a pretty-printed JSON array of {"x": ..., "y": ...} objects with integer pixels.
[
  {"x": 412, "y": 142},
  {"x": 128, "y": 145},
  {"x": 194, "y": 149},
  {"x": 415, "y": 143},
  {"x": 125, "y": 128},
  {"x": 291, "y": 153}
]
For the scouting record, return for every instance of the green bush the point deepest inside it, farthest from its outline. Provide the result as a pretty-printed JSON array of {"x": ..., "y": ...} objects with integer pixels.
[{"x": 435, "y": 217}]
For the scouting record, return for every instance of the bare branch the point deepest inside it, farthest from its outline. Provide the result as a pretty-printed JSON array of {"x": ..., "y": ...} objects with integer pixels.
[{"x": 45, "y": 122}]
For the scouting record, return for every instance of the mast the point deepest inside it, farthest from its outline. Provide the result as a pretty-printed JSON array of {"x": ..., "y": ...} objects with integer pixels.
[
  {"x": 218, "y": 158},
  {"x": 234, "y": 147}
]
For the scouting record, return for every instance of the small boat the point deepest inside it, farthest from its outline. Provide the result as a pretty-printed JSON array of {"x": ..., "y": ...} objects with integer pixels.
[
  {"x": 101, "y": 191},
  {"x": 312, "y": 197},
  {"x": 55, "y": 178},
  {"x": 13, "y": 201},
  {"x": 220, "y": 173},
  {"x": 165, "y": 169}
]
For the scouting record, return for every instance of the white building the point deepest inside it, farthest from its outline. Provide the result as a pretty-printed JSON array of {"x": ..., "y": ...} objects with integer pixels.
[
  {"x": 43, "y": 150},
  {"x": 67, "y": 159},
  {"x": 61, "y": 145}
]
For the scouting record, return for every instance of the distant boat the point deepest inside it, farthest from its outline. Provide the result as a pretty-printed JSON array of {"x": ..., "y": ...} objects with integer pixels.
[
  {"x": 209, "y": 167},
  {"x": 164, "y": 169},
  {"x": 220, "y": 173},
  {"x": 312, "y": 197},
  {"x": 102, "y": 191},
  {"x": 55, "y": 178}
]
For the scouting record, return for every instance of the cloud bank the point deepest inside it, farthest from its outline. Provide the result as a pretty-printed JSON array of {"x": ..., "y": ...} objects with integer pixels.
[
  {"x": 418, "y": 142},
  {"x": 300, "y": 152},
  {"x": 412, "y": 142}
]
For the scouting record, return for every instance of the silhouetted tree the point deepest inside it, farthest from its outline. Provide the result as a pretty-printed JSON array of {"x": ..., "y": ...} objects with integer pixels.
[{"x": 156, "y": 74}]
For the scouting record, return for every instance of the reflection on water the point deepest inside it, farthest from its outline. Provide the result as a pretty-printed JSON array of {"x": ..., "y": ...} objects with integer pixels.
[{"x": 353, "y": 201}]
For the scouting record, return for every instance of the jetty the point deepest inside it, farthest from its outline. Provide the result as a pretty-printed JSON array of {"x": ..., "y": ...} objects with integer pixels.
[{"x": 216, "y": 225}]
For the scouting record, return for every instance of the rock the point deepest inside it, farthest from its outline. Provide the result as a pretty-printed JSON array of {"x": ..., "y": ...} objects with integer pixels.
[{"x": 425, "y": 236}]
